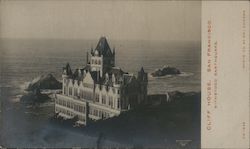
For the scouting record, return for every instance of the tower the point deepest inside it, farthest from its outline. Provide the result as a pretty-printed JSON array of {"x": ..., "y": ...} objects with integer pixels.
[
  {"x": 67, "y": 73},
  {"x": 102, "y": 58},
  {"x": 143, "y": 82}
]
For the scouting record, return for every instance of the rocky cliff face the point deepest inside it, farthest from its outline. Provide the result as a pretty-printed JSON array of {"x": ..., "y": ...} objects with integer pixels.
[
  {"x": 34, "y": 96},
  {"x": 44, "y": 82},
  {"x": 157, "y": 121}
]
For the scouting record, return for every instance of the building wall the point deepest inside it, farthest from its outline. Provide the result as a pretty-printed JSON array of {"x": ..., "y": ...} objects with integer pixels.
[
  {"x": 89, "y": 100},
  {"x": 68, "y": 107},
  {"x": 103, "y": 102}
]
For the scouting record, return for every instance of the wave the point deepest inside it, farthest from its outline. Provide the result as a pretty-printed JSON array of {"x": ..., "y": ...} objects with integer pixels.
[
  {"x": 24, "y": 86},
  {"x": 32, "y": 113},
  {"x": 5, "y": 86},
  {"x": 16, "y": 98},
  {"x": 159, "y": 77},
  {"x": 40, "y": 105},
  {"x": 183, "y": 74}
]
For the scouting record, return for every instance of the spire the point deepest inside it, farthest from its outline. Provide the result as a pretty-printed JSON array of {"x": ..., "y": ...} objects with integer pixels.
[
  {"x": 142, "y": 70},
  {"x": 68, "y": 69},
  {"x": 92, "y": 51},
  {"x": 87, "y": 58},
  {"x": 103, "y": 47},
  {"x": 142, "y": 75}
]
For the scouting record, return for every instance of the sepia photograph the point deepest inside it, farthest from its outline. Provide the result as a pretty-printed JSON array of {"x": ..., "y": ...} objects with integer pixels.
[{"x": 100, "y": 74}]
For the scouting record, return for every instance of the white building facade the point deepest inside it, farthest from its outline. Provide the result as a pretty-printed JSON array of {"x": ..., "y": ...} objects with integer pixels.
[{"x": 99, "y": 90}]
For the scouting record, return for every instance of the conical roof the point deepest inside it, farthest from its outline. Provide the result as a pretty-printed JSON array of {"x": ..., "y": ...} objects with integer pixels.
[
  {"x": 67, "y": 69},
  {"x": 103, "y": 47}
]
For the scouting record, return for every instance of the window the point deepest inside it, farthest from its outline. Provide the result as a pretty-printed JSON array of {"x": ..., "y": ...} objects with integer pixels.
[
  {"x": 87, "y": 95},
  {"x": 64, "y": 90},
  {"x": 111, "y": 101},
  {"x": 80, "y": 109},
  {"x": 88, "y": 85},
  {"x": 68, "y": 104},
  {"x": 118, "y": 91},
  {"x": 75, "y": 92},
  {"x": 84, "y": 109},
  {"x": 103, "y": 99},
  {"x": 100, "y": 113},
  {"x": 81, "y": 93},
  {"x": 118, "y": 103},
  {"x": 70, "y": 91},
  {"x": 95, "y": 112},
  {"x": 97, "y": 97}
]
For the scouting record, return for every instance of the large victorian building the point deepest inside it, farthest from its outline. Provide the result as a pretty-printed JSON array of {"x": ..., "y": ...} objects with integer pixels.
[{"x": 99, "y": 90}]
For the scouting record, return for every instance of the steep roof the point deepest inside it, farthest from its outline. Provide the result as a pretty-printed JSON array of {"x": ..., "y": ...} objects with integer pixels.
[
  {"x": 103, "y": 47},
  {"x": 67, "y": 70},
  {"x": 127, "y": 78},
  {"x": 118, "y": 72}
]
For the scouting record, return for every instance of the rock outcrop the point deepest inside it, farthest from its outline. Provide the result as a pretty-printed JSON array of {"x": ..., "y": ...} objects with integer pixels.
[
  {"x": 166, "y": 70},
  {"x": 44, "y": 82}
]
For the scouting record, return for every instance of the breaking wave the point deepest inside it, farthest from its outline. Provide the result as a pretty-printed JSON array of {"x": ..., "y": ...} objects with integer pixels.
[
  {"x": 183, "y": 74},
  {"x": 16, "y": 98}
]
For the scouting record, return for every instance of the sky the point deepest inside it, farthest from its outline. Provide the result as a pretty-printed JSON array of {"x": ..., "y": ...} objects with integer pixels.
[{"x": 121, "y": 20}]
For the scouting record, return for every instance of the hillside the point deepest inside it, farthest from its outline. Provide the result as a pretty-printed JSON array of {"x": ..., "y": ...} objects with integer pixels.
[{"x": 157, "y": 122}]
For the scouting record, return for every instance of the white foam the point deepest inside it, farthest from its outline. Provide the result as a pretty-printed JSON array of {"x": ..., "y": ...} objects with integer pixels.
[{"x": 185, "y": 74}]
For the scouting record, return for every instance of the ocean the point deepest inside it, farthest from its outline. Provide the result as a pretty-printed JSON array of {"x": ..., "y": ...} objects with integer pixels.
[{"x": 22, "y": 60}]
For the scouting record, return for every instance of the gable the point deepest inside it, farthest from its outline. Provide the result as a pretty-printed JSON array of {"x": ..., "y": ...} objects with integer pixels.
[{"x": 88, "y": 79}]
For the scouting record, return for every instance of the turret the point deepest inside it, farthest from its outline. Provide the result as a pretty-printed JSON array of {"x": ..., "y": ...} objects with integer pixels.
[
  {"x": 102, "y": 58},
  {"x": 67, "y": 73},
  {"x": 87, "y": 58},
  {"x": 142, "y": 75},
  {"x": 143, "y": 81},
  {"x": 67, "y": 70}
]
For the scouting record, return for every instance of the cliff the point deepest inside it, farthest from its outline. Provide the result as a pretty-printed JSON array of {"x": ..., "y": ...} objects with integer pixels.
[
  {"x": 44, "y": 82},
  {"x": 162, "y": 119}
]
